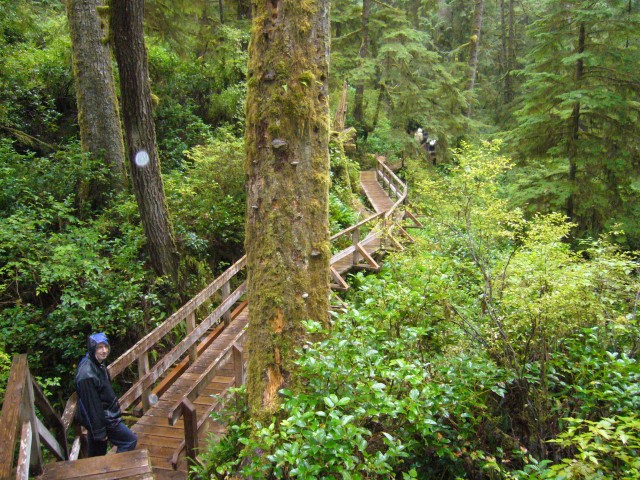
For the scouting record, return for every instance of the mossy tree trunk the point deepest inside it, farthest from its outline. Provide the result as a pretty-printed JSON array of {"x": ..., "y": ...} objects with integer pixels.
[
  {"x": 474, "y": 44},
  {"x": 98, "y": 116},
  {"x": 131, "y": 55},
  {"x": 363, "y": 55},
  {"x": 287, "y": 170}
]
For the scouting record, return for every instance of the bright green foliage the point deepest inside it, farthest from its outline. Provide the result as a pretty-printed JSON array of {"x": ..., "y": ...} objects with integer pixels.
[
  {"x": 462, "y": 357},
  {"x": 577, "y": 133},
  {"x": 208, "y": 200},
  {"x": 35, "y": 68},
  {"x": 607, "y": 448},
  {"x": 62, "y": 277},
  {"x": 196, "y": 95}
]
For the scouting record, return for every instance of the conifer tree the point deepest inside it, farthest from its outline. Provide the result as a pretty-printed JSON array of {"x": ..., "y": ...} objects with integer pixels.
[
  {"x": 287, "y": 171},
  {"x": 579, "y": 115},
  {"x": 98, "y": 115}
]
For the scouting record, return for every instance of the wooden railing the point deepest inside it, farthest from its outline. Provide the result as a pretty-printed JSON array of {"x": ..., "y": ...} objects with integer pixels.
[
  {"x": 19, "y": 421},
  {"x": 395, "y": 187},
  {"x": 22, "y": 393}
]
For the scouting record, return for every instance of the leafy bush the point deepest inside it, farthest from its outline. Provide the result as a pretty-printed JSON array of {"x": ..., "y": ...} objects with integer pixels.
[
  {"x": 208, "y": 199},
  {"x": 62, "y": 276}
]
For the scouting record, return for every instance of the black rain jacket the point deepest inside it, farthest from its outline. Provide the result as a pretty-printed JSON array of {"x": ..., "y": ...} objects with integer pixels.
[{"x": 98, "y": 405}]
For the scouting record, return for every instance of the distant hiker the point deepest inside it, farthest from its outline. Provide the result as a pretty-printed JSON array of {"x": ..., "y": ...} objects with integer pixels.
[
  {"x": 431, "y": 149},
  {"x": 98, "y": 407},
  {"x": 419, "y": 136}
]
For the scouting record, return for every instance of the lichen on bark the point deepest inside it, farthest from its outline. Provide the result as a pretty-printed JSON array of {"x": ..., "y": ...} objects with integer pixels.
[{"x": 287, "y": 173}]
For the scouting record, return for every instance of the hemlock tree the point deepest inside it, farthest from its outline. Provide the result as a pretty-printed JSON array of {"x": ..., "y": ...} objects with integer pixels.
[
  {"x": 287, "y": 170},
  {"x": 131, "y": 55},
  {"x": 98, "y": 116},
  {"x": 579, "y": 122}
]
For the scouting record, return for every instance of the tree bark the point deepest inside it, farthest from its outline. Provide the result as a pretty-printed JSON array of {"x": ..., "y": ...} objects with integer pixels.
[
  {"x": 358, "y": 102},
  {"x": 98, "y": 116},
  {"x": 574, "y": 127},
  {"x": 131, "y": 55},
  {"x": 478, "y": 15},
  {"x": 287, "y": 170},
  {"x": 243, "y": 10}
]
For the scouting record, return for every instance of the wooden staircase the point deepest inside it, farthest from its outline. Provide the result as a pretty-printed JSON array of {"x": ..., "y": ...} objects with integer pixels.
[
  {"x": 175, "y": 396},
  {"x": 134, "y": 465}
]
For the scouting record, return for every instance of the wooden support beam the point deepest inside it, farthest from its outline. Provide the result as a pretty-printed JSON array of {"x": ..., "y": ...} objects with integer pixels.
[
  {"x": 339, "y": 284},
  {"x": 24, "y": 454},
  {"x": 372, "y": 264},
  {"x": 190, "y": 429},
  {"x": 226, "y": 291},
  {"x": 10, "y": 418},
  {"x": 191, "y": 326},
  {"x": 35, "y": 466},
  {"x": 412, "y": 217},
  {"x": 406, "y": 234},
  {"x": 238, "y": 365},
  {"x": 50, "y": 415},
  {"x": 143, "y": 369},
  {"x": 50, "y": 441}
]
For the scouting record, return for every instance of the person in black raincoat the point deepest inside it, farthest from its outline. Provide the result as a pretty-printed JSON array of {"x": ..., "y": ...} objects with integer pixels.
[{"x": 98, "y": 408}]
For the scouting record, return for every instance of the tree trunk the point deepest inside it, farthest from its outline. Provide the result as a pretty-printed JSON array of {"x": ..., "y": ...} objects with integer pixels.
[
  {"x": 131, "y": 55},
  {"x": 98, "y": 116},
  {"x": 244, "y": 10},
  {"x": 474, "y": 47},
  {"x": 358, "y": 102},
  {"x": 287, "y": 169},
  {"x": 574, "y": 127}
]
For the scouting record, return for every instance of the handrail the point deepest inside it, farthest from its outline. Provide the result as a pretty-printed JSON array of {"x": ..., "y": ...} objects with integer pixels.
[
  {"x": 22, "y": 396},
  {"x": 386, "y": 175},
  {"x": 139, "y": 352},
  {"x": 352, "y": 228},
  {"x": 152, "y": 338}
]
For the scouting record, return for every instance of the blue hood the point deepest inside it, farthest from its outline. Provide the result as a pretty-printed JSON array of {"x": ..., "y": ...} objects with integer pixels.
[{"x": 93, "y": 341}]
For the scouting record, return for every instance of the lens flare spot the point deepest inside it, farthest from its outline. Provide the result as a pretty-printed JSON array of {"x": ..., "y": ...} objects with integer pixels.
[{"x": 142, "y": 158}]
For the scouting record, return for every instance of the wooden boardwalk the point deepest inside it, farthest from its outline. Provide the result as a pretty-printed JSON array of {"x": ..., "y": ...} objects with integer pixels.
[
  {"x": 166, "y": 442},
  {"x": 376, "y": 195},
  {"x": 193, "y": 379}
]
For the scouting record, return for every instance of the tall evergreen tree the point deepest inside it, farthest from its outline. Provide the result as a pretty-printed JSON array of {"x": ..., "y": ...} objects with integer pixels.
[
  {"x": 287, "y": 169},
  {"x": 579, "y": 115},
  {"x": 131, "y": 55},
  {"x": 98, "y": 115}
]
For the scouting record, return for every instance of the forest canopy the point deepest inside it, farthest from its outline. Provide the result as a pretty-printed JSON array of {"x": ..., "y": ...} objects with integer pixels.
[{"x": 503, "y": 344}]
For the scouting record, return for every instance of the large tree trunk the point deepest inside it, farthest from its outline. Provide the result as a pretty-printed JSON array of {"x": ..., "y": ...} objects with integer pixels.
[
  {"x": 287, "y": 169},
  {"x": 363, "y": 54},
  {"x": 131, "y": 55},
  {"x": 244, "y": 10},
  {"x": 98, "y": 116},
  {"x": 574, "y": 127},
  {"x": 474, "y": 44}
]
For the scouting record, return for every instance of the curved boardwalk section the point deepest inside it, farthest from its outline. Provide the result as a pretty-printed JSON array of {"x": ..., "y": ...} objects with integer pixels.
[{"x": 175, "y": 396}]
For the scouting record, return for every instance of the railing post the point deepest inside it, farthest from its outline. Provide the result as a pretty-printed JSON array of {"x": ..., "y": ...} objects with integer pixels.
[
  {"x": 190, "y": 430},
  {"x": 191, "y": 325},
  {"x": 143, "y": 369},
  {"x": 355, "y": 239},
  {"x": 238, "y": 365},
  {"x": 226, "y": 291},
  {"x": 35, "y": 459}
]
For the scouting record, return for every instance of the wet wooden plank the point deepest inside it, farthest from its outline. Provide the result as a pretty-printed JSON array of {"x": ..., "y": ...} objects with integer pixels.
[{"x": 135, "y": 464}]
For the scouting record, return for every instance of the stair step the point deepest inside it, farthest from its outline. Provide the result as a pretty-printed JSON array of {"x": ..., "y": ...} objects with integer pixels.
[{"x": 135, "y": 465}]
